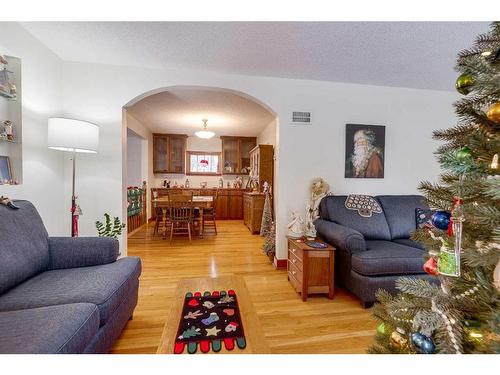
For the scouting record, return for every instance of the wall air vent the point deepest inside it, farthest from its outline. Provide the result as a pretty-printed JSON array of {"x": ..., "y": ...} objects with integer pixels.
[{"x": 301, "y": 118}]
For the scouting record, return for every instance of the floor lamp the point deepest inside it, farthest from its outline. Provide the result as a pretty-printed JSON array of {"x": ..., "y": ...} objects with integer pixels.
[{"x": 73, "y": 136}]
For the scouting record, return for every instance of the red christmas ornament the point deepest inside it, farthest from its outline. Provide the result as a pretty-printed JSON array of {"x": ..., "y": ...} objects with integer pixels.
[{"x": 430, "y": 266}]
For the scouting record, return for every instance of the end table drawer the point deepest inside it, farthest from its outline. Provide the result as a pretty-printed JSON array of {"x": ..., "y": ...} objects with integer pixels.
[
  {"x": 296, "y": 252},
  {"x": 294, "y": 271},
  {"x": 295, "y": 261}
]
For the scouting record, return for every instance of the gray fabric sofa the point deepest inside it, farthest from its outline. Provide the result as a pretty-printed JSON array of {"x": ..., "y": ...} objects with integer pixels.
[
  {"x": 372, "y": 252},
  {"x": 60, "y": 295}
]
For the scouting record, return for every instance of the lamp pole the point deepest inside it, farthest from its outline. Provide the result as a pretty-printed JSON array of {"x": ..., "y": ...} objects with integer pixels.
[{"x": 73, "y": 199}]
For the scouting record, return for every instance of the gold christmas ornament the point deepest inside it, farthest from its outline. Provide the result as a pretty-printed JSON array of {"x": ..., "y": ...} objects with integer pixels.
[
  {"x": 494, "y": 112},
  {"x": 398, "y": 340}
]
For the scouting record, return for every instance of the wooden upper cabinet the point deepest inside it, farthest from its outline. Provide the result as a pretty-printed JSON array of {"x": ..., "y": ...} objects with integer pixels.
[
  {"x": 262, "y": 164},
  {"x": 169, "y": 153},
  {"x": 236, "y": 154}
]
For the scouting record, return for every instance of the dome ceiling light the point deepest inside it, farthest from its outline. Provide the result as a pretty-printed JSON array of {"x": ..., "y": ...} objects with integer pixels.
[{"x": 206, "y": 134}]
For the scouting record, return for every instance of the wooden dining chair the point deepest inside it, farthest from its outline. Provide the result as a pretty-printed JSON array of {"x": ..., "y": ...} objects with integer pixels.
[
  {"x": 209, "y": 214},
  {"x": 181, "y": 214},
  {"x": 159, "y": 220}
]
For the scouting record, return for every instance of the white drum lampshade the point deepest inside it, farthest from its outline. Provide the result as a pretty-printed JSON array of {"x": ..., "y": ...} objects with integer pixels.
[{"x": 72, "y": 135}]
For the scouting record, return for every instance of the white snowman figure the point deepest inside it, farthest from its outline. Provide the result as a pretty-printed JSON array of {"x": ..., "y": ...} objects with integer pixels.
[{"x": 295, "y": 227}]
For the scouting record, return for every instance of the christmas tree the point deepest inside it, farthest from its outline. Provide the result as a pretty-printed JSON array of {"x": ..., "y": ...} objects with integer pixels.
[
  {"x": 460, "y": 313},
  {"x": 269, "y": 246},
  {"x": 267, "y": 216}
]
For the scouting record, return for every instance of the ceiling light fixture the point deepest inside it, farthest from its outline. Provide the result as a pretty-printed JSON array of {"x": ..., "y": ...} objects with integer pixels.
[{"x": 206, "y": 134}]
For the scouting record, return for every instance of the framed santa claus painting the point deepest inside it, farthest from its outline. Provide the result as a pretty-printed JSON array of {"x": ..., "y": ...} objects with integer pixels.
[{"x": 364, "y": 151}]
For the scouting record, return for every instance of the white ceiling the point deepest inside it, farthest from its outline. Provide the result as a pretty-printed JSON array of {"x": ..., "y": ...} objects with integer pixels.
[
  {"x": 403, "y": 54},
  {"x": 181, "y": 110}
]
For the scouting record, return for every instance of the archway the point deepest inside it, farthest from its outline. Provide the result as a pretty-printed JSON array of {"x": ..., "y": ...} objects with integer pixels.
[{"x": 130, "y": 110}]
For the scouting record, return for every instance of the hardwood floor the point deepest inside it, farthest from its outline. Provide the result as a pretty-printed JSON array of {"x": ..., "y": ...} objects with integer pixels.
[{"x": 319, "y": 325}]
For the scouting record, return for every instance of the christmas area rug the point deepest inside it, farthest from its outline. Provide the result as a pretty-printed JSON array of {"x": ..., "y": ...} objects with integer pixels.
[{"x": 208, "y": 321}]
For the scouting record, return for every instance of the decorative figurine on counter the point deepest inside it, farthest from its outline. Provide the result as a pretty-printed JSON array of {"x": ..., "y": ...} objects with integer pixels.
[
  {"x": 228, "y": 185},
  {"x": 221, "y": 183},
  {"x": 310, "y": 229},
  {"x": 254, "y": 185},
  {"x": 239, "y": 182},
  {"x": 186, "y": 185},
  {"x": 266, "y": 188},
  {"x": 295, "y": 227}
]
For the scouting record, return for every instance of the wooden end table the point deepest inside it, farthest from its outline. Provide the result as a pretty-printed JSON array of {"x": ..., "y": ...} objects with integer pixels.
[{"x": 311, "y": 270}]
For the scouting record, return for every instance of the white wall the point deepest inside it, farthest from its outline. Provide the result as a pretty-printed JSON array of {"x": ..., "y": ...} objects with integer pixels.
[
  {"x": 41, "y": 98},
  {"x": 97, "y": 93},
  {"x": 268, "y": 134},
  {"x": 134, "y": 159}
]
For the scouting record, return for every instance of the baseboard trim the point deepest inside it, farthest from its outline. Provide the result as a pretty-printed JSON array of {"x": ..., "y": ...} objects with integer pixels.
[{"x": 280, "y": 264}]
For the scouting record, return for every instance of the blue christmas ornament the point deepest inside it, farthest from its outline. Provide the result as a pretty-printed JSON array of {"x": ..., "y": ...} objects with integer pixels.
[
  {"x": 422, "y": 343},
  {"x": 441, "y": 219}
]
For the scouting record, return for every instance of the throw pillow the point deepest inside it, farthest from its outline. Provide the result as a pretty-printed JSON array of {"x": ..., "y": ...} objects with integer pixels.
[{"x": 423, "y": 217}]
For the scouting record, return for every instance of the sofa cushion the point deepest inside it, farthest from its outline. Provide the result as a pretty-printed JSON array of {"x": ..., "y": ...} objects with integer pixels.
[
  {"x": 105, "y": 286},
  {"x": 408, "y": 242},
  {"x": 372, "y": 228},
  {"x": 45, "y": 330},
  {"x": 400, "y": 213},
  {"x": 24, "y": 247},
  {"x": 388, "y": 258}
]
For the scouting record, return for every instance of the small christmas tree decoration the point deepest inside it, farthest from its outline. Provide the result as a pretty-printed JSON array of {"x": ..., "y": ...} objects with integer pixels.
[
  {"x": 464, "y": 84},
  {"x": 441, "y": 219},
  {"x": 494, "y": 112},
  {"x": 267, "y": 216},
  {"x": 191, "y": 332},
  {"x": 422, "y": 344},
  {"x": 269, "y": 246}
]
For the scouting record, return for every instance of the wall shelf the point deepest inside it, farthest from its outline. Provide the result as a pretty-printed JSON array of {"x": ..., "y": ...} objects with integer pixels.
[{"x": 11, "y": 110}]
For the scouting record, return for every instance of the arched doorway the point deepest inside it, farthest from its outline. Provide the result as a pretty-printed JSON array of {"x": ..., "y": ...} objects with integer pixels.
[{"x": 180, "y": 109}]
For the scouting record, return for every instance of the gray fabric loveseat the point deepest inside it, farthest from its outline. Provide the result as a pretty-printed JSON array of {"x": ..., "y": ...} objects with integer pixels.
[
  {"x": 372, "y": 252},
  {"x": 60, "y": 295}
]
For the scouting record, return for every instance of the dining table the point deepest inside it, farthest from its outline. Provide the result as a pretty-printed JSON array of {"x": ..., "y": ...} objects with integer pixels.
[{"x": 199, "y": 201}]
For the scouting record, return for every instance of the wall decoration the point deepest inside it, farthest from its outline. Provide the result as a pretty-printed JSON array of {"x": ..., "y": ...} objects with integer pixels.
[
  {"x": 5, "y": 172},
  {"x": 365, "y": 150}
]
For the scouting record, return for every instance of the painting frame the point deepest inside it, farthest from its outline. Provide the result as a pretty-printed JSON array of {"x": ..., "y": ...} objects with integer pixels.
[
  {"x": 364, "y": 151},
  {"x": 5, "y": 169}
]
